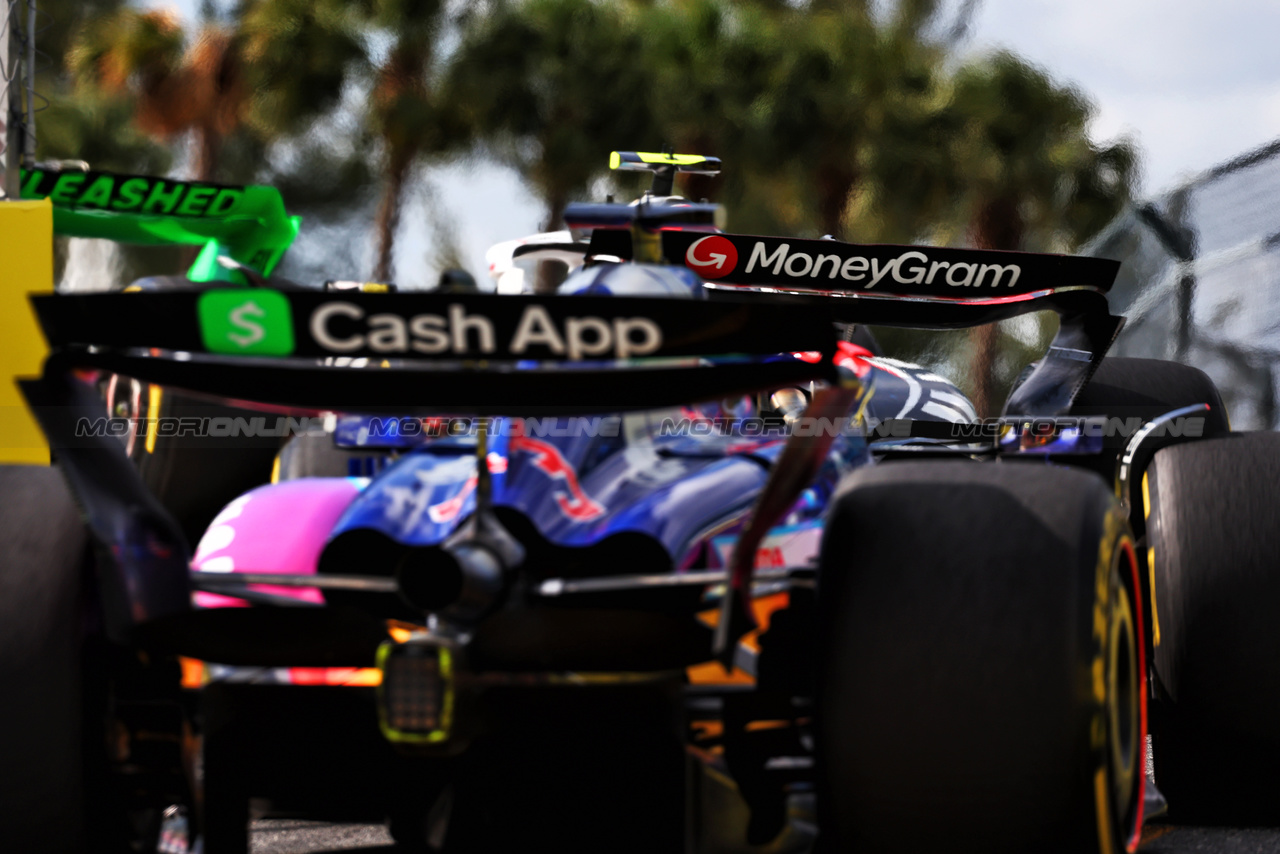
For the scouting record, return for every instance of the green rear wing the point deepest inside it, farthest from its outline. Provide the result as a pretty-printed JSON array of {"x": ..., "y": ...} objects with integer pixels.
[{"x": 248, "y": 223}]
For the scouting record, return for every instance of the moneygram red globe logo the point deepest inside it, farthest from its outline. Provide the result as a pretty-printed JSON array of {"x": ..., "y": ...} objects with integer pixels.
[{"x": 712, "y": 257}]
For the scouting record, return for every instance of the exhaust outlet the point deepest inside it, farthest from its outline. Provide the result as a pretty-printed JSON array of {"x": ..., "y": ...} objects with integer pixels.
[{"x": 462, "y": 580}]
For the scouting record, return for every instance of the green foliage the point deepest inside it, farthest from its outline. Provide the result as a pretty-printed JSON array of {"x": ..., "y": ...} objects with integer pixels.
[
  {"x": 96, "y": 128},
  {"x": 60, "y": 20},
  {"x": 832, "y": 116},
  {"x": 1033, "y": 178},
  {"x": 298, "y": 56},
  {"x": 552, "y": 86}
]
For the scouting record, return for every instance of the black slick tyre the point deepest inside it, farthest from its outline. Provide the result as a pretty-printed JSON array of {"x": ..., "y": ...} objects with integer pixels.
[
  {"x": 42, "y": 803},
  {"x": 1213, "y": 536},
  {"x": 196, "y": 476},
  {"x": 79, "y": 774},
  {"x": 1148, "y": 388},
  {"x": 224, "y": 816},
  {"x": 318, "y": 456},
  {"x": 980, "y": 684},
  {"x": 1138, "y": 390}
]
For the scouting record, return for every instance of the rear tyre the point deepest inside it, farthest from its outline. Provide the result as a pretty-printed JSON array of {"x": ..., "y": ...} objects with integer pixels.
[
  {"x": 74, "y": 705},
  {"x": 224, "y": 817},
  {"x": 1144, "y": 389},
  {"x": 980, "y": 679},
  {"x": 1213, "y": 533},
  {"x": 41, "y": 745},
  {"x": 564, "y": 767},
  {"x": 195, "y": 477},
  {"x": 1150, "y": 387},
  {"x": 318, "y": 456}
]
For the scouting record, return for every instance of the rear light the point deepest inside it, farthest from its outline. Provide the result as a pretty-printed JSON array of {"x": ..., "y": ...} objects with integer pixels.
[{"x": 415, "y": 698}]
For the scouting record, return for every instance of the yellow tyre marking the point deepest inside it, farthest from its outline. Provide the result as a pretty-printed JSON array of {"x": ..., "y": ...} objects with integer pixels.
[
  {"x": 1151, "y": 560},
  {"x": 155, "y": 395},
  {"x": 1122, "y": 624},
  {"x": 1106, "y": 616},
  {"x": 1102, "y": 799},
  {"x": 1146, "y": 496}
]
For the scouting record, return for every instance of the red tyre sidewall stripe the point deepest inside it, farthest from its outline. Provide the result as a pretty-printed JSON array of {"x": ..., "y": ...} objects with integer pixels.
[{"x": 1140, "y": 641}]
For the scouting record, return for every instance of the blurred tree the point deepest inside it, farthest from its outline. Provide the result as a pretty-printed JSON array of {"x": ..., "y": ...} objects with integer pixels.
[
  {"x": 297, "y": 57},
  {"x": 91, "y": 126},
  {"x": 827, "y": 116},
  {"x": 707, "y": 62},
  {"x": 59, "y": 20},
  {"x": 272, "y": 68},
  {"x": 818, "y": 103},
  {"x": 174, "y": 90},
  {"x": 134, "y": 83},
  {"x": 96, "y": 127},
  {"x": 410, "y": 111},
  {"x": 1032, "y": 178},
  {"x": 552, "y": 86}
]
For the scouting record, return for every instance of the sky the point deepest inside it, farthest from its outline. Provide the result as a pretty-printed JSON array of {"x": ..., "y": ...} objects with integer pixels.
[{"x": 1193, "y": 82}]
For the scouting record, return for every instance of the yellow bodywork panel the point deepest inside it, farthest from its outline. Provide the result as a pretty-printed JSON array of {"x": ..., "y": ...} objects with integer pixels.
[{"x": 26, "y": 247}]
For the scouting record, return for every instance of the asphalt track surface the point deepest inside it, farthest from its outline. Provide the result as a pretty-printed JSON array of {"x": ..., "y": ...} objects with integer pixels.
[{"x": 274, "y": 836}]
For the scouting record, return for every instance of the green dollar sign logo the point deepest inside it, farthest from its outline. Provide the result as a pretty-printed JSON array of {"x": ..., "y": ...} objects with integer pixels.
[
  {"x": 257, "y": 322},
  {"x": 253, "y": 331}
]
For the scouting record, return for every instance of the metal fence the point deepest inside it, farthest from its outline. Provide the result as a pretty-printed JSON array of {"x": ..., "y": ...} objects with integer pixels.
[{"x": 1200, "y": 281}]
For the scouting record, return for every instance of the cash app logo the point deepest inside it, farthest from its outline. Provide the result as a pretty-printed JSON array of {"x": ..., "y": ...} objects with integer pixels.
[{"x": 246, "y": 322}]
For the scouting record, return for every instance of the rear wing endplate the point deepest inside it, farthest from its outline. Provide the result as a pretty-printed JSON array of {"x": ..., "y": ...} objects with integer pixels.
[{"x": 248, "y": 223}]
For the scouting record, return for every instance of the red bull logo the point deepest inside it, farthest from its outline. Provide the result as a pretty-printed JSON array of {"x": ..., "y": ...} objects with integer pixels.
[
  {"x": 447, "y": 511},
  {"x": 572, "y": 499}
]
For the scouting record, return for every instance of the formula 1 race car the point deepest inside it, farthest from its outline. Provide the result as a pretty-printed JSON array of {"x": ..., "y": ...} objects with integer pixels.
[{"x": 657, "y": 562}]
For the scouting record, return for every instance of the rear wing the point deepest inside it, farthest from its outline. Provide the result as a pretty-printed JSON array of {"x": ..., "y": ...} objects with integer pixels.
[
  {"x": 426, "y": 353},
  {"x": 247, "y": 223},
  {"x": 849, "y": 270},
  {"x": 913, "y": 286},
  {"x": 458, "y": 353}
]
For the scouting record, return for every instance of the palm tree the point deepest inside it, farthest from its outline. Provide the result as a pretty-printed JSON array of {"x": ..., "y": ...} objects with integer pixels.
[
  {"x": 552, "y": 86},
  {"x": 272, "y": 68},
  {"x": 1033, "y": 180},
  {"x": 410, "y": 113},
  {"x": 827, "y": 116},
  {"x": 175, "y": 88},
  {"x": 708, "y": 61}
]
